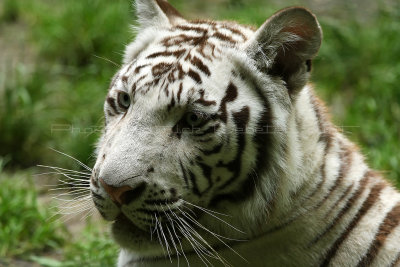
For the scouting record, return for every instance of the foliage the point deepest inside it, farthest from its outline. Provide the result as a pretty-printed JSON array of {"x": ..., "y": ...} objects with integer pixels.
[
  {"x": 358, "y": 70},
  {"x": 24, "y": 226},
  {"x": 59, "y": 104},
  {"x": 94, "y": 248},
  {"x": 91, "y": 249},
  {"x": 27, "y": 228},
  {"x": 10, "y": 11}
]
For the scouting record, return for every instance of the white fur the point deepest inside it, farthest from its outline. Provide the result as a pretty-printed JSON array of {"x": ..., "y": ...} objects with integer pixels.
[{"x": 278, "y": 219}]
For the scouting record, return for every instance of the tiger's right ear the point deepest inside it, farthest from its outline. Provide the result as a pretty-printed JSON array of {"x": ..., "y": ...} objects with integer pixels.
[
  {"x": 285, "y": 45},
  {"x": 154, "y": 13}
]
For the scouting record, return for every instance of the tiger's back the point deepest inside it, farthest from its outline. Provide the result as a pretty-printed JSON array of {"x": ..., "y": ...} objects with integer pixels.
[{"x": 213, "y": 136}]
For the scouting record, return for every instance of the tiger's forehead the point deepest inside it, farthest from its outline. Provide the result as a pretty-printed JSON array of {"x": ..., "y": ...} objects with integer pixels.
[{"x": 181, "y": 59}]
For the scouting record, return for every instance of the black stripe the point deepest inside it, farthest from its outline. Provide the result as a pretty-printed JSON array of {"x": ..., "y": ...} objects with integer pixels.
[
  {"x": 195, "y": 76},
  {"x": 111, "y": 102},
  {"x": 390, "y": 222},
  {"x": 207, "y": 172},
  {"x": 179, "y": 92},
  {"x": 184, "y": 174},
  {"x": 263, "y": 139},
  {"x": 345, "y": 163},
  {"x": 195, "y": 188},
  {"x": 235, "y": 31},
  {"x": 130, "y": 66},
  {"x": 214, "y": 150},
  {"x": 367, "y": 204},
  {"x": 191, "y": 28},
  {"x": 171, "y": 104},
  {"x": 346, "y": 207},
  {"x": 244, "y": 190},
  {"x": 263, "y": 142},
  {"x": 203, "y": 101},
  {"x": 230, "y": 95},
  {"x": 241, "y": 119},
  {"x": 138, "y": 68},
  {"x": 177, "y": 53},
  {"x": 200, "y": 65},
  {"x": 328, "y": 146},
  {"x": 340, "y": 199},
  {"x": 161, "y": 68},
  {"x": 223, "y": 37}
]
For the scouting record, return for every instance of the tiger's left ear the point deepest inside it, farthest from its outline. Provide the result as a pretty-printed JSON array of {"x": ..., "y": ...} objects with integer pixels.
[
  {"x": 285, "y": 44},
  {"x": 153, "y": 13}
]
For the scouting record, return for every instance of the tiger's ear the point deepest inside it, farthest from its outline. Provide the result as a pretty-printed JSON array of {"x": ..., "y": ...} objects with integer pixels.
[
  {"x": 285, "y": 44},
  {"x": 153, "y": 13}
]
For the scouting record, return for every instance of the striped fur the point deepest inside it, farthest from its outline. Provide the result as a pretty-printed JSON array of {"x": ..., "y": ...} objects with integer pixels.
[{"x": 212, "y": 136}]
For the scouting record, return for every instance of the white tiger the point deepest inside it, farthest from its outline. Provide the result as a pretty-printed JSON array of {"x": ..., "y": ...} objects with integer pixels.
[{"x": 217, "y": 152}]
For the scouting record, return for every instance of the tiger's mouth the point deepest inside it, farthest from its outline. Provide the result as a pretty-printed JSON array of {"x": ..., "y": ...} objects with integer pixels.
[
  {"x": 128, "y": 235},
  {"x": 124, "y": 223}
]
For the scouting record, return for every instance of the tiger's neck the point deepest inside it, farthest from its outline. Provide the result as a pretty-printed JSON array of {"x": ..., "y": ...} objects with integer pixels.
[
  {"x": 313, "y": 144},
  {"x": 325, "y": 183}
]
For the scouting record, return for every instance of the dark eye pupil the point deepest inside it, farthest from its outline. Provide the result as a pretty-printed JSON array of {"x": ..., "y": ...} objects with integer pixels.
[
  {"x": 126, "y": 98},
  {"x": 194, "y": 117}
]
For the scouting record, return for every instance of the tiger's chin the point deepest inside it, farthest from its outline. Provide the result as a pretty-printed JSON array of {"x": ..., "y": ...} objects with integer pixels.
[{"x": 132, "y": 238}]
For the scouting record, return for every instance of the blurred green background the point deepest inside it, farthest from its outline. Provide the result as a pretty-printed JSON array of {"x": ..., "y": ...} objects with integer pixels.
[{"x": 55, "y": 69}]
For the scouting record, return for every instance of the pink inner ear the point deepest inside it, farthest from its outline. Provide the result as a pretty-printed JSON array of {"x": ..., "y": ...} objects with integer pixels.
[{"x": 301, "y": 30}]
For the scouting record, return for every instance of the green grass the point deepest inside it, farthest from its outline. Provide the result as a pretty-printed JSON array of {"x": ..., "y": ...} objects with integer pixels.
[
  {"x": 59, "y": 102},
  {"x": 30, "y": 232},
  {"x": 358, "y": 71},
  {"x": 25, "y": 227},
  {"x": 93, "y": 248}
]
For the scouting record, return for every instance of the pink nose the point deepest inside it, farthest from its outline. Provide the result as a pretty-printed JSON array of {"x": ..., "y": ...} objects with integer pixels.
[{"x": 123, "y": 194}]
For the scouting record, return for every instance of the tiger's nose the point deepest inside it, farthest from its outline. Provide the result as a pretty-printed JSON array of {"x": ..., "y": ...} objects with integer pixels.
[{"x": 123, "y": 195}]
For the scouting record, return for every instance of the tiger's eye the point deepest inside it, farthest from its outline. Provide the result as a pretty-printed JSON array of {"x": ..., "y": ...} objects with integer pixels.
[
  {"x": 124, "y": 100},
  {"x": 192, "y": 119}
]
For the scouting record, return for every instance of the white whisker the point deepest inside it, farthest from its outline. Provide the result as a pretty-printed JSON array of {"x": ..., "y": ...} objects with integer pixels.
[
  {"x": 81, "y": 199},
  {"x": 216, "y": 217},
  {"x": 68, "y": 172},
  {"x": 191, "y": 240},
  {"x": 71, "y": 157},
  {"x": 189, "y": 217},
  {"x": 76, "y": 208},
  {"x": 108, "y": 60},
  {"x": 185, "y": 229},
  {"x": 165, "y": 240},
  {"x": 215, "y": 255},
  {"x": 68, "y": 198},
  {"x": 173, "y": 229},
  {"x": 72, "y": 179},
  {"x": 217, "y": 237},
  {"x": 90, "y": 213},
  {"x": 158, "y": 234},
  {"x": 62, "y": 169},
  {"x": 71, "y": 188}
]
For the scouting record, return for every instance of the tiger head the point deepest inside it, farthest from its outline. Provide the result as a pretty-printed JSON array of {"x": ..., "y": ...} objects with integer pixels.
[{"x": 195, "y": 126}]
